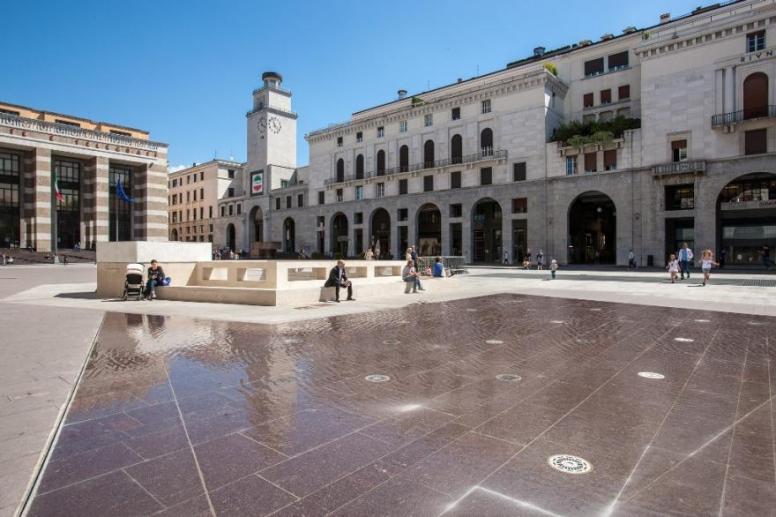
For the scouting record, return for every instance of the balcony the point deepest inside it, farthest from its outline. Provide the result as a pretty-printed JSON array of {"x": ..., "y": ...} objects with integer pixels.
[
  {"x": 685, "y": 167},
  {"x": 735, "y": 117},
  {"x": 66, "y": 130},
  {"x": 482, "y": 156}
]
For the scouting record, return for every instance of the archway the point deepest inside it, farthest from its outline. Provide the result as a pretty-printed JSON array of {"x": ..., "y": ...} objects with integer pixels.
[
  {"x": 339, "y": 234},
  {"x": 429, "y": 230},
  {"x": 746, "y": 215},
  {"x": 174, "y": 235},
  {"x": 289, "y": 235},
  {"x": 592, "y": 229},
  {"x": 230, "y": 237},
  {"x": 380, "y": 233},
  {"x": 756, "y": 95},
  {"x": 428, "y": 154},
  {"x": 486, "y": 231},
  {"x": 486, "y": 141},
  {"x": 257, "y": 224},
  {"x": 456, "y": 149}
]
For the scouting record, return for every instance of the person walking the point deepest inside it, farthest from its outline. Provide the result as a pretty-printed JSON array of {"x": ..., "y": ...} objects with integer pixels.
[
  {"x": 527, "y": 260},
  {"x": 540, "y": 260},
  {"x": 707, "y": 260},
  {"x": 368, "y": 254},
  {"x": 338, "y": 278},
  {"x": 155, "y": 278},
  {"x": 506, "y": 258},
  {"x": 631, "y": 260},
  {"x": 553, "y": 267},
  {"x": 685, "y": 259},
  {"x": 673, "y": 268},
  {"x": 414, "y": 256},
  {"x": 765, "y": 252},
  {"x": 722, "y": 257}
]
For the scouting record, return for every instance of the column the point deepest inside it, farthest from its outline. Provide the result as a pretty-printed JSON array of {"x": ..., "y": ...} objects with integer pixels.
[
  {"x": 101, "y": 201},
  {"x": 40, "y": 200},
  {"x": 445, "y": 225},
  {"x": 506, "y": 232},
  {"x": 730, "y": 98},
  {"x": 150, "y": 207}
]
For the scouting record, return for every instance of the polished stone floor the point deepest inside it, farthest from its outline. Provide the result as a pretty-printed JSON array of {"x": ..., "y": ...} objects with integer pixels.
[{"x": 469, "y": 404}]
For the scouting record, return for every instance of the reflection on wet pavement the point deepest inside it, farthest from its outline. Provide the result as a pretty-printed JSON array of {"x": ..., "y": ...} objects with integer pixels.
[{"x": 176, "y": 416}]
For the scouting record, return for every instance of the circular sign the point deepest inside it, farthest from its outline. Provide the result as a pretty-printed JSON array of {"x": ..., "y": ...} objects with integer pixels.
[
  {"x": 377, "y": 378},
  {"x": 651, "y": 375},
  {"x": 569, "y": 464},
  {"x": 508, "y": 377}
]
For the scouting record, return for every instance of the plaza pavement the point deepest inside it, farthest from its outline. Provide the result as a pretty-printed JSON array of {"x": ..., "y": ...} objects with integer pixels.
[{"x": 50, "y": 317}]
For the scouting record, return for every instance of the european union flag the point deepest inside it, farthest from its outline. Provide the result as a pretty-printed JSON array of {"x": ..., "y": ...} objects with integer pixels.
[{"x": 122, "y": 195}]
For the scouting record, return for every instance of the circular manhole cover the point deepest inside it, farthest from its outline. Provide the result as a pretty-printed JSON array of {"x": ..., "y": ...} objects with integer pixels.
[
  {"x": 376, "y": 377},
  {"x": 684, "y": 339},
  {"x": 651, "y": 375},
  {"x": 494, "y": 342},
  {"x": 508, "y": 377},
  {"x": 569, "y": 464},
  {"x": 391, "y": 342}
]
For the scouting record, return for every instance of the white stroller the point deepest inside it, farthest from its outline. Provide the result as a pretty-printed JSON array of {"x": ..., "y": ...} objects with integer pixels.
[{"x": 133, "y": 283}]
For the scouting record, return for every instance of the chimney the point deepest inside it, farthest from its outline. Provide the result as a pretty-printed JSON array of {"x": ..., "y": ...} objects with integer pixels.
[
  {"x": 539, "y": 51},
  {"x": 607, "y": 36},
  {"x": 629, "y": 29},
  {"x": 460, "y": 80},
  {"x": 665, "y": 17},
  {"x": 402, "y": 93}
]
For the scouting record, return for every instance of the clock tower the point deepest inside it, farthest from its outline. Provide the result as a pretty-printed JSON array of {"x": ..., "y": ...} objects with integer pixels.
[{"x": 271, "y": 133}]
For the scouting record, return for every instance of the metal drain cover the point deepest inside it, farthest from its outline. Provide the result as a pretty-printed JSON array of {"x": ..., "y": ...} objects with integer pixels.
[
  {"x": 508, "y": 377},
  {"x": 651, "y": 375},
  {"x": 377, "y": 378},
  {"x": 569, "y": 464}
]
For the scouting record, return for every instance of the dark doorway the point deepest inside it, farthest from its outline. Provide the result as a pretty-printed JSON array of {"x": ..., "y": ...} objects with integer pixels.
[
  {"x": 403, "y": 242},
  {"x": 339, "y": 235},
  {"x": 486, "y": 231},
  {"x": 746, "y": 215},
  {"x": 429, "y": 230},
  {"x": 592, "y": 229},
  {"x": 289, "y": 235},
  {"x": 380, "y": 238},
  {"x": 456, "y": 149},
  {"x": 756, "y": 95},
  {"x": 230, "y": 237},
  {"x": 678, "y": 231},
  {"x": 428, "y": 154},
  {"x": 456, "y": 239},
  {"x": 519, "y": 240}
]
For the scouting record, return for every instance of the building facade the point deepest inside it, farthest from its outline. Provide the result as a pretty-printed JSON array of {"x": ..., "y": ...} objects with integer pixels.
[
  {"x": 639, "y": 141},
  {"x": 112, "y": 181},
  {"x": 194, "y": 195}
]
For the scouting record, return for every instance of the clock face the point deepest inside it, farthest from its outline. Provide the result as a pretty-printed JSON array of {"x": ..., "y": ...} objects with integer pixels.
[{"x": 274, "y": 125}]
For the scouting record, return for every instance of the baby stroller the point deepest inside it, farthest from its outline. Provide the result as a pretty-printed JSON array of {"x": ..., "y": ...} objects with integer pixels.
[{"x": 133, "y": 284}]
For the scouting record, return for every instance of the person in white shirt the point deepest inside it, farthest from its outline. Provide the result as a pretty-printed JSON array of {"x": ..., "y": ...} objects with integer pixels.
[
  {"x": 673, "y": 268},
  {"x": 707, "y": 260},
  {"x": 685, "y": 259}
]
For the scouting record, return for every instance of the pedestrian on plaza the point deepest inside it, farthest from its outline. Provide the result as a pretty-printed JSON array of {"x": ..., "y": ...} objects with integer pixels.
[
  {"x": 414, "y": 255},
  {"x": 553, "y": 267},
  {"x": 338, "y": 278},
  {"x": 631, "y": 260},
  {"x": 155, "y": 278},
  {"x": 722, "y": 257},
  {"x": 707, "y": 260},
  {"x": 765, "y": 252},
  {"x": 506, "y": 258},
  {"x": 540, "y": 260},
  {"x": 439, "y": 268},
  {"x": 673, "y": 268},
  {"x": 369, "y": 254},
  {"x": 408, "y": 254},
  {"x": 685, "y": 257},
  {"x": 411, "y": 278},
  {"x": 527, "y": 261}
]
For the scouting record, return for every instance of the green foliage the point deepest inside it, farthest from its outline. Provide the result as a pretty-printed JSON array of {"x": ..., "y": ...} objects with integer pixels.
[
  {"x": 594, "y": 132},
  {"x": 416, "y": 101},
  {"x": 551, "y": 68}
]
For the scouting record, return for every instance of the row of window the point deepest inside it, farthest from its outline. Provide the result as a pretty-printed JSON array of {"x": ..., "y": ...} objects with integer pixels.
[
  {"x": 590, "y": 161},
  {"x": 178, "y": 198},
  {"x": 191, "y": 214},
  {"x": 196, "y": 229},
  {"x": 179, "y": 181},
  {"x": 299, "y": 201},
  {"x": 428, "y": 121},
  {"x": 607, "y": 115},
  {"x": 618, "y": 61},
  {"x": 605, "y": 96}
]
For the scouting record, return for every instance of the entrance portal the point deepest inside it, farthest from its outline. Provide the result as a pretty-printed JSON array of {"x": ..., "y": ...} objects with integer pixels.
[
  {"x": 380, "y": 237},
  {"x": 746, "y": 214},
  {"x": 486, "y": 231},
  {"x": 429, "y": 230},
  {"x": 339, "y": 235},
  {"x": 592, "y": 229}
]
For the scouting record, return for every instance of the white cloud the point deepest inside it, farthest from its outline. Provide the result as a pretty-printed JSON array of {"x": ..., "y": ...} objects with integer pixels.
[{"x": 176, "y": 168}]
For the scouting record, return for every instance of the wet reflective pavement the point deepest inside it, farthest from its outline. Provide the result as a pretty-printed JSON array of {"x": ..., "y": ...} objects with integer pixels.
[{"x": 501, "y": 405}]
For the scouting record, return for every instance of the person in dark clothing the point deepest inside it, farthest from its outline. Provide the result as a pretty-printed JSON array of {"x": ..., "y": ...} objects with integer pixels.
[
  {"x": 414, "y": 255},
  {"x": 765, "y": 252},
  {"x": 339, "y": 278},
  {"x": 155, "y": 277},
  {"x": 722, "y": 257}
]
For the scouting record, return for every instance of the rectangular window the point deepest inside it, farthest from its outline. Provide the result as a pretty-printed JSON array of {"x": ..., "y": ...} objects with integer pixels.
[
  {"x": 618, "y": 61},
  {"x": 359, "y": 137},
  {"x": 195, "y": 195},
  {"x": 403, "y": 126},
  {"x": 455, "y": 179},
  {"x": 456, "y": 210},
  {"x": 403, "y": 186},
  {"x": 230, "y": 174},
  {"x": 428, "y": 120},
  {"x": 277, "y": 203},
  {"x": 195, "y": 177},
  {"x": 288, "y": 201},
  {"x": 756, "y": 141},
  {"x": 428, "y": 183},
  {"x": 455, "y": 114},
  {"x": 188, "y": 197},
  {"x": 588, "y": 100},
  {"x": 755, "y": 41},
  {"x": 223, "y": 210},
  {"x": 202, "y": 176},
  {"x": 201, "y": 193},
  {"x": 339, "y": 141},
  {"x": 359, "y": 192},
  {"x": 610, "y": 160},
  {"x": 188, "y": 180},
  {"x": 380, "y": 189},
  {"x": 300, "y": 200},
  {"x": 230, "y": 192},
  {"x": 624, "y": 112},
  {"x": 680, "y": 197},
  {"x": 571, "y": 165},
  {"x": 231, "y": 210},
  {"x": 210, "y": 211},
  {"x": 605, "y": 116},
  {"x": 518, "y": 171},
  {"x": 520, "y": 205},
  {"x": 321, "y": 197},
  {"x": 239, "y": 208},
  {"x": 606, "y": 96},
  {"x": 594, "y": 67},
  {"x": 283, "y": 183},
  {"x": 339, "y": 195},
  {"x": 679, "y": 150},
  {"x": 380, "y": 132},
  {"x": 486, "y": 106},
  {"x": 623, "y": 92},
  {"x": 358, "y": 218},
  {"x": 402, "y": 214},
  {"x": 591, "y": 162},
  {"x": 486, "y": 176},
  {"x": 201, "y": 212}
]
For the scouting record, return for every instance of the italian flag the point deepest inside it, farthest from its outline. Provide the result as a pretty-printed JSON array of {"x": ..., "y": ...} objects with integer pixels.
[{"x": 57, "y": 192}]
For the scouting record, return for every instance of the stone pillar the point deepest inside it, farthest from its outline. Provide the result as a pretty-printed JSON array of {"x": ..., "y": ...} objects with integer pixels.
[
  {"x": 150, "y": 207},
  {"x": 730, "y": 97},
  {"x": 39, "y": 200},
  {"x": 445, "y": 226},
  {"x": 506, "y": 233},
  {"x": 466, "y": 231}
]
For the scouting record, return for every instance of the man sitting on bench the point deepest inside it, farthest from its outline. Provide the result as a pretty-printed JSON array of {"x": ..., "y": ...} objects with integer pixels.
[{"x": 339, "y": 278}]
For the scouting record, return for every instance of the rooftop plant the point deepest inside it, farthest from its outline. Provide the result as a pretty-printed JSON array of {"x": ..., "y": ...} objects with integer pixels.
[{"x": 594, "y": 132}]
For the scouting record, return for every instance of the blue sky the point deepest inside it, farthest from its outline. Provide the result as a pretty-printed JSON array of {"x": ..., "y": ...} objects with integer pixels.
[{"x": 185, "y": 70}]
